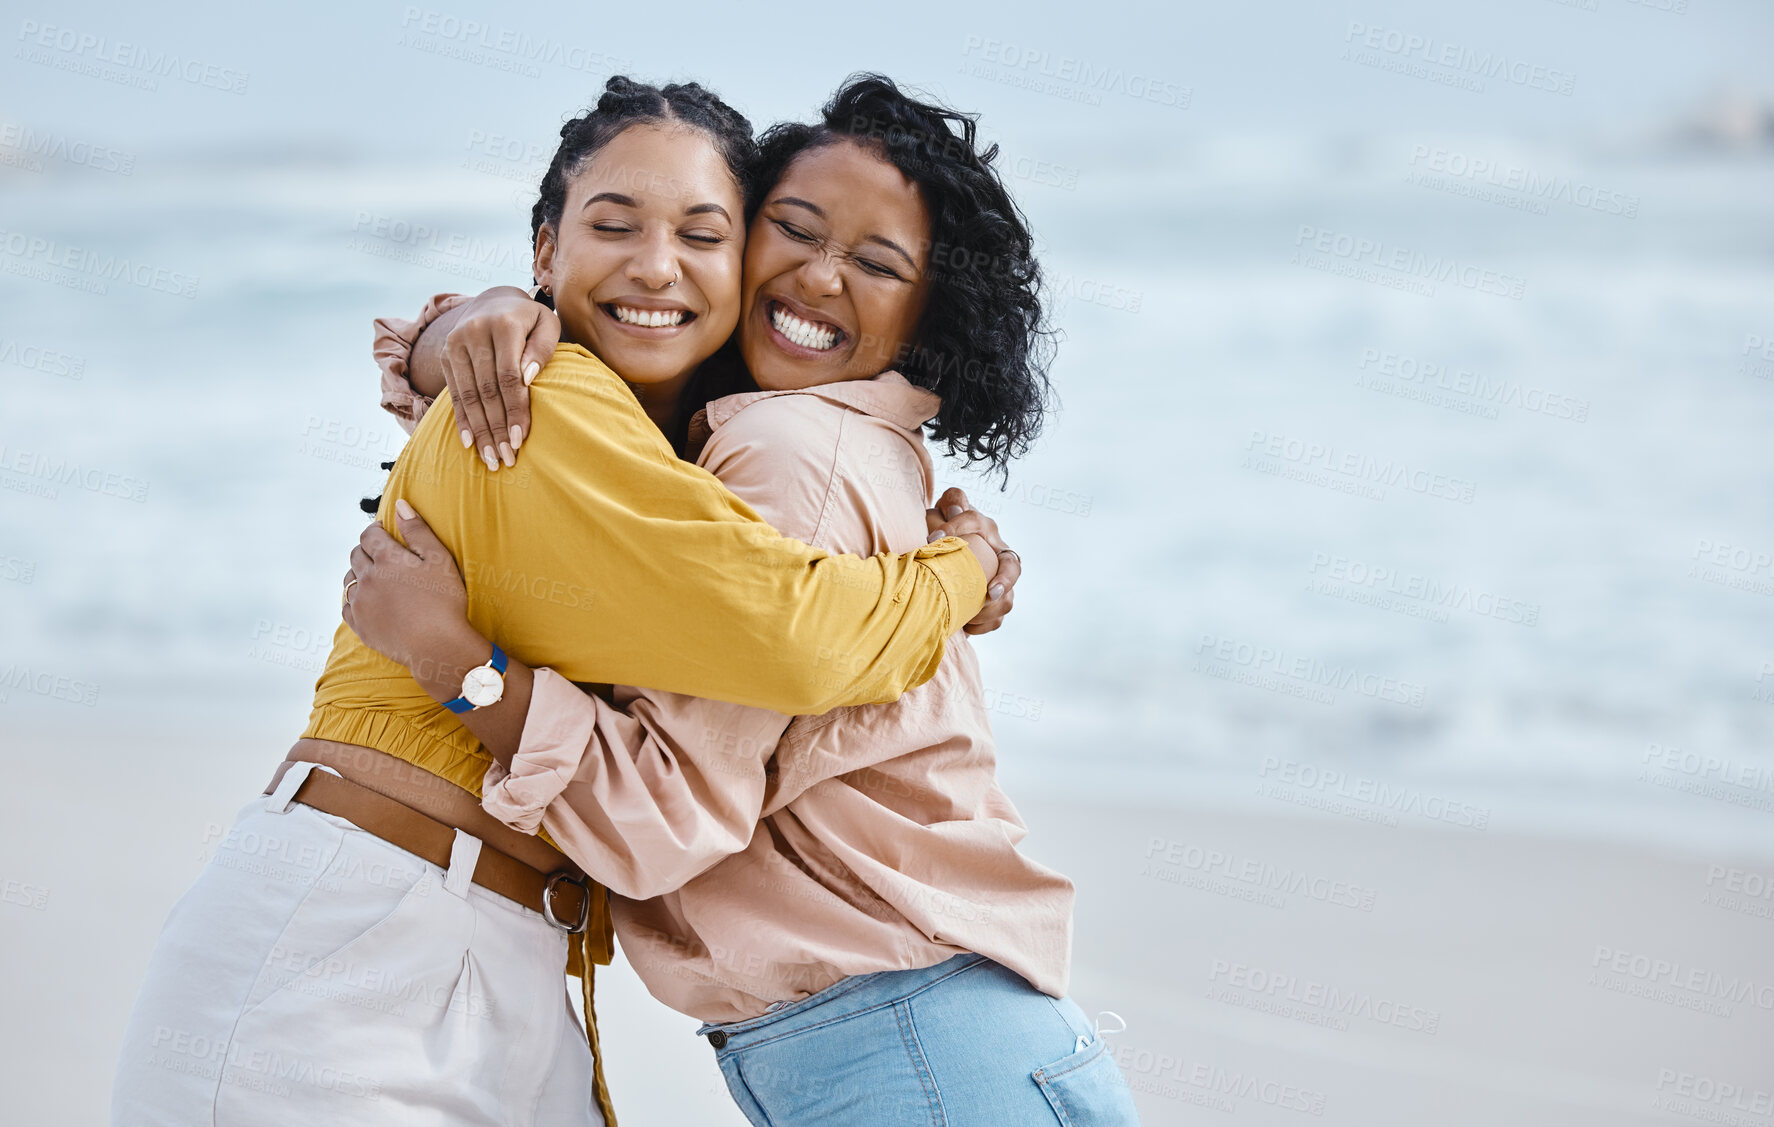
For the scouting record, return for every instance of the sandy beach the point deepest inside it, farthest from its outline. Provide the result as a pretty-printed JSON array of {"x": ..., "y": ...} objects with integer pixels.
[
  {"x": 1412, "y": 428},
  {"x": 1284, "y": 968}
]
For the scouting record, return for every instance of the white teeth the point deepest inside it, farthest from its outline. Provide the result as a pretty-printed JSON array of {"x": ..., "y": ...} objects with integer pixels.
[
  {"x": 804, "y": 333},
  {"x": 649, "y": 318}
]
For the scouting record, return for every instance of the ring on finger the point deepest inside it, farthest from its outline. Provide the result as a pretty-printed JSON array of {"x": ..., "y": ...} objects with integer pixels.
[
  {"x": 345, "y": 596},
  {"x": 1011, "y": 552}
]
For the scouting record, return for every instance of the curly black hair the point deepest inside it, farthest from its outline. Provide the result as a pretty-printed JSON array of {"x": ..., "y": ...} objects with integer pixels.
[{"x": 982, "y": 343}]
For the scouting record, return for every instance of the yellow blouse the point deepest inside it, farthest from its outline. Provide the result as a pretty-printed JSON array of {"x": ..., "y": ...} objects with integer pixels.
[{"x": 604, "y": 557}]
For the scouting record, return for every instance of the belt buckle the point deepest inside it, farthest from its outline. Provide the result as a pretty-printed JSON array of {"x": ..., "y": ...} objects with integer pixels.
[{"x": 584, "y": 887}]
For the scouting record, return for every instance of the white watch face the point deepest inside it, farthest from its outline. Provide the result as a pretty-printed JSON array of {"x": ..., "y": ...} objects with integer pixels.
[{"x": 483, "y": 686}]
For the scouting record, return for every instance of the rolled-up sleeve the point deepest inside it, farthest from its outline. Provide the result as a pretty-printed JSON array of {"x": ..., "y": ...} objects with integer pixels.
[
  {"x": 393, "y": 350},
  {"x": 672, "y": 581},
  {"x": 644, "y": 797}
]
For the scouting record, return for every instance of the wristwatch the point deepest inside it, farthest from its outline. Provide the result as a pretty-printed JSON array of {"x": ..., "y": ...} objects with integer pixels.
[{"x": 482, "y": 685}]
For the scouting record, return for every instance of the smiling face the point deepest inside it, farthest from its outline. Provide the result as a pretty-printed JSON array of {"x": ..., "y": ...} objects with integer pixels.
[
  {"x": 644, "y": 266},
  {"x": 835, "y": 270}
]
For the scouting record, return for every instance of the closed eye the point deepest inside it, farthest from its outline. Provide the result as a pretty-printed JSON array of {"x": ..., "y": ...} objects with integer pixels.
[
  {"x": 880, "y": 270},
  {"x": 793, "y": 232}
]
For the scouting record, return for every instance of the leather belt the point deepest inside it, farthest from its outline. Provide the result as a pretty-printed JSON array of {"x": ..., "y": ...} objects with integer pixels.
[{"x": 563, "y": 897}]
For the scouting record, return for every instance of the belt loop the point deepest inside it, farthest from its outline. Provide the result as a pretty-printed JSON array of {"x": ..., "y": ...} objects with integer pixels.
[
  {"x": 464, "y": 856},
  {"x": 280, "y": 800}
]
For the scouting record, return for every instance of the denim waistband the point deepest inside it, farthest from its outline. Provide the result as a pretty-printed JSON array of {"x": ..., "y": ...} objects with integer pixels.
[{"x": 845, "y": 998}]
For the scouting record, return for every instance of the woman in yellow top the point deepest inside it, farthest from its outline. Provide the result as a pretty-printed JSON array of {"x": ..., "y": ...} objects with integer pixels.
[
  {"x": 367, "y": 945},
  {"x": 840, "y": 898}
]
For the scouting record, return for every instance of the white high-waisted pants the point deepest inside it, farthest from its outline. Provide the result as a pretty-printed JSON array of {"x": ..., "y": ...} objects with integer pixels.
[{"x": 316, "y": 974}]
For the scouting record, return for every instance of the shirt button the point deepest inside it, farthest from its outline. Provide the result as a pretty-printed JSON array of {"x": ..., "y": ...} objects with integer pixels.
[{"x": 718, "y": 1039}]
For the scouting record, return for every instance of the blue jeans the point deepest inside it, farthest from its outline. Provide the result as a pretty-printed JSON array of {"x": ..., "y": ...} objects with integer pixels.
[{"x": 963, "y": 1043}]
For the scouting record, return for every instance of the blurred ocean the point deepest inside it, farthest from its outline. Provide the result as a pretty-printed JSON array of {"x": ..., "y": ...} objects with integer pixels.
[
  {"x": 1404, "y": 526},
  {"x": 1381, "y": 488}
]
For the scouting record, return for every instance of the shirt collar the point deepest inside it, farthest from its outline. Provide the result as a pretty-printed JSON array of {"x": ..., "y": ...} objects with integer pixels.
[{"x": 887, "y": 396}]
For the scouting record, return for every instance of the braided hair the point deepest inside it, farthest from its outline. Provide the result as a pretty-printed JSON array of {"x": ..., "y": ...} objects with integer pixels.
[{"x": 624, "y": 103}]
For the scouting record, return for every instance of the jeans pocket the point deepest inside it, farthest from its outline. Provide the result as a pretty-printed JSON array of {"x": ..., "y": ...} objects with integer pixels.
[{"x": 1087, "y": 1089}]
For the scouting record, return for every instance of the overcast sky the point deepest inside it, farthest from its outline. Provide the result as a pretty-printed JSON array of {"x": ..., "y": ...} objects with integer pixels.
[{"x": 362, "y": 78}]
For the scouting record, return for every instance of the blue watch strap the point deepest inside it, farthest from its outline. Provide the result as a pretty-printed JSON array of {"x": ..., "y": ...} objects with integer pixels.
[{"x": 498, "y": 661}]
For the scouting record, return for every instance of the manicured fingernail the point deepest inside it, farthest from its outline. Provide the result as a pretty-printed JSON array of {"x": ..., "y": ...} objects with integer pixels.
[
  {"x": 467, "y": 439},
  {"x": 405, "y": 510},
  {"x": 505, "y": 454},
  {"x": 530, "y": 372},
  {"x": 486, "y": 453},
  {"x": 953, "y": 511},
  {"x": 517, "y": 437},
  {"x": 935, "y": 536},
  {"x": 996, "y": 590}
]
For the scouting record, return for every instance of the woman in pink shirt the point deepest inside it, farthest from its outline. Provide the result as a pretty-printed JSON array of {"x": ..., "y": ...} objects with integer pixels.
[{"x": 839, "y": 898}]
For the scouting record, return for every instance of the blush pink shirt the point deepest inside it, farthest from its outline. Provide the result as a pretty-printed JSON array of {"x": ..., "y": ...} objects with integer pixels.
[{"x": 755, "y": 858}]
